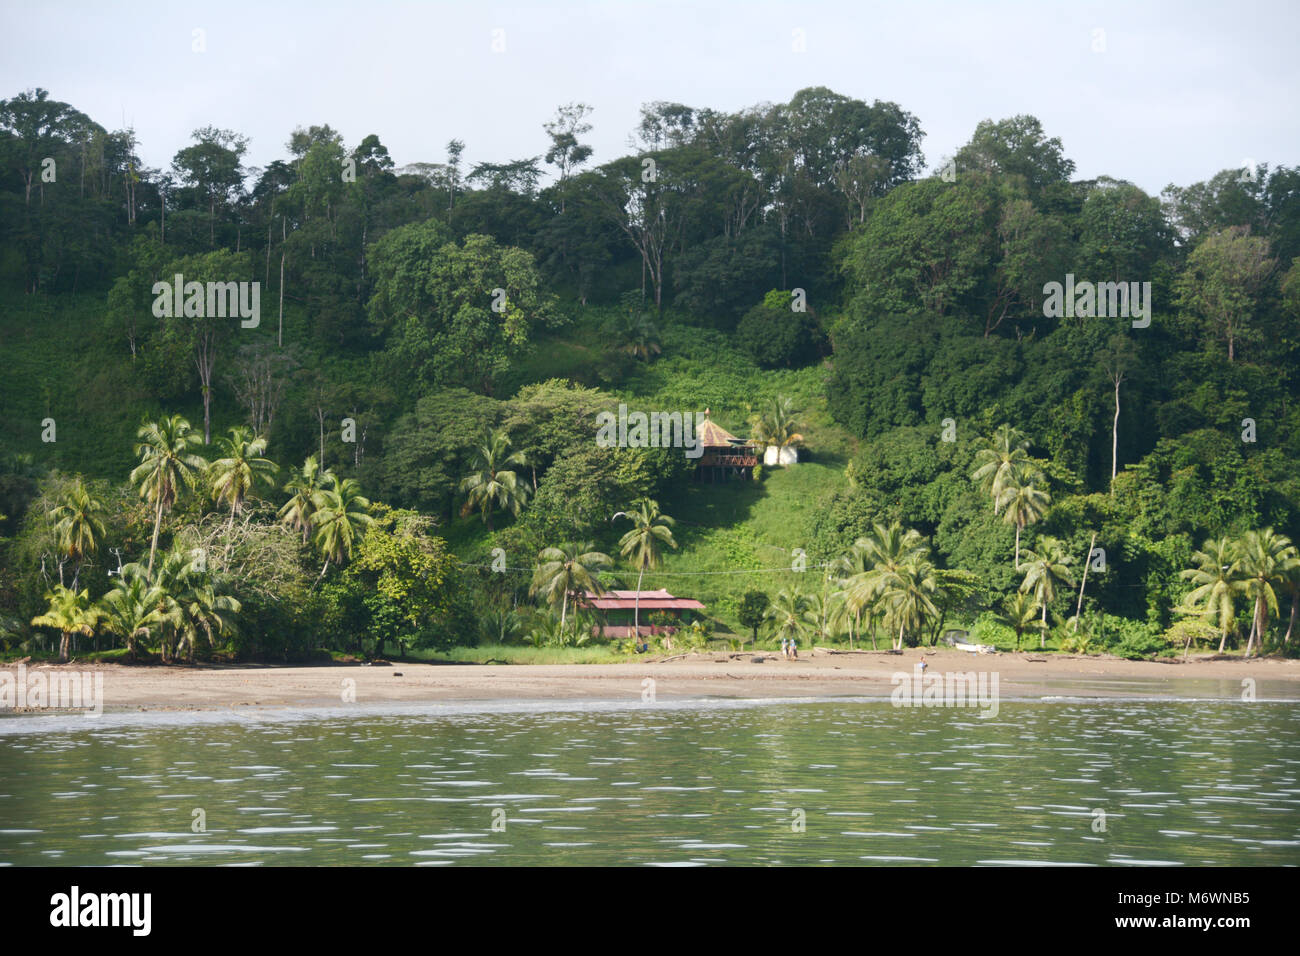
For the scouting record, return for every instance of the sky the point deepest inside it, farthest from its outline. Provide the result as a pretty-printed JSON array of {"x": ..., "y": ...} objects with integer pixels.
[{"x": 1155, "y": 93}]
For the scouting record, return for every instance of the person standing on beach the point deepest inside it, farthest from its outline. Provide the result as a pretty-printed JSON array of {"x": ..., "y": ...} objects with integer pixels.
[
  {"x": 923, "y": 665},
  {"x": 785, "y": 648},
  {"x": 794, "y": 649}
]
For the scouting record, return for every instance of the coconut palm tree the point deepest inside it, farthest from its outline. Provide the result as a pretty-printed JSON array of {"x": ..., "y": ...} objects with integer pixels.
[
  {"x": 1047, "y": 566},
  {"x": 241, "y": 468},
  {"x": 644, "y": 544},
  {"x": 205, "y": 610},
  {"x": 306, "y": 487},
  {"x": 908, "y": 596},
  {"x": 847, "y": 571},
  {"x": 1291, "y": 585},
  {"x": 131, "y": 608},
  {"x": 493, "y": 481},
  {"x": 1025, "y": 504},
  {"x": 822, "y": 612},
  {"x": 71, "y": 612},
  {"x": 560, "y": 571},
  {"x": 1267, "y": 559},
  {"x": 1018, "y": 613},
  {"x": 79, "y": 526},
  {"x": 776, "y": 426},
  {"x": 786, "y": 613},
  {"x": 341, "y": 520},
  {"x": 1217, "y": 583},
  {"x": 1004, "y": 455},
  {"x": 167, "y": 467}
]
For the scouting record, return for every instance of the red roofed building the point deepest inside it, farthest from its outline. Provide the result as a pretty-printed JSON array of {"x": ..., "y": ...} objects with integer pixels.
[{"x": 618, "y": 609}]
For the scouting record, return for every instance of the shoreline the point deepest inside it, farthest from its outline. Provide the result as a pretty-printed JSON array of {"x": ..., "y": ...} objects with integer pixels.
[{"x": 716, "y": 676}]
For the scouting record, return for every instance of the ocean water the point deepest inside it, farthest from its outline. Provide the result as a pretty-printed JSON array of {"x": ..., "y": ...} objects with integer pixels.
[{"x": 683, "y": 783}]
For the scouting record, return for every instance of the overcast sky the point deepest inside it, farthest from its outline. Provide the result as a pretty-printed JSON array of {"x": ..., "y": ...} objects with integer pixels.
[{"x": 1150, "y": 92}]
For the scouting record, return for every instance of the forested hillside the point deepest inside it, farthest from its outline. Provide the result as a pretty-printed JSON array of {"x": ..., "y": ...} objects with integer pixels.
[{"x": 399, "y": 442}]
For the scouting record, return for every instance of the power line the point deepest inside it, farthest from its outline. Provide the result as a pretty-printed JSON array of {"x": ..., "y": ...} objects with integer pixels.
[{"x": 672, "y": 573}]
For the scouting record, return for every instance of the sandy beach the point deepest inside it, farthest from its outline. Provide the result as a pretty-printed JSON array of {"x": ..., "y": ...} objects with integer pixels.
[{"x": 820, "y": 673}]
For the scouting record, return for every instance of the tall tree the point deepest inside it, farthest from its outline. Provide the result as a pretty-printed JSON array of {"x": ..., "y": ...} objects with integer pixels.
[
  {"x": 212, "y": 168},
  {"x": 493, "y": 480},
  {"x": 306, "y": 487},
  {"x": 1046, "y": 567},
  {"x": 1222, "y": 282},
  {"x": 70, "y": 612},
  {"x": 341, "y": 521},
  {"x": 643, "y": 545},
  {"x": 566, "y": 153},
  {"x": 241, "y": 468},
  {"x": 563, "y": 570},
  {"x": 1025, "y": 504},
  {"x": 1267, "y": 560},
  {"x": 168, "y": 466},
  {"x": 79, "y": 526},
  {"x": 1118, "y": 360},
  {"x": 1217, "y": 582}
]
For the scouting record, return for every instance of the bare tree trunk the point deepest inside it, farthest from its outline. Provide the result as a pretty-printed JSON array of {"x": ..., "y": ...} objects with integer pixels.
[
  {"x": 279, "y": 335},
  {"x": 153, "y": 548},
  {"x": 1114, "y": 437},
  {"x": 636, "y": 608},
  {"x": 1078, "y": 608}
]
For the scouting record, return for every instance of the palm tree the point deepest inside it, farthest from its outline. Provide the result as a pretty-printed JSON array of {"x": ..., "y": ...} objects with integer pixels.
[
  {"x": 1217, "y": 583},
  {"x": 821, "y": 613},
  {"x": 306, "y": 486},
  {"x": 638, "y": 336},
  {"x": 1291, "y": 585},
  {"x": 1047, "y": 566},
  {"x": 573, "y": 566},
  {"x": 1025, "y": 504},
  {"x": 167, "y": 467},
  {"x": 170, "y": 583},
  {"x": 341, "y": 520},
  {"x": 786, "y": 612},
  {"x": 131, "y": 608},
  {"x": 236, "y": 475},
  {"x": 71, "y": 612},
  {"x": 205, "y": 610},
  {"x": 908, "y": 596},
  {"x": 1019, "y": 612},
  {"x": 847, "y": 571},
  {"x": 493, "y": 481},
  {"x": 1267, "y": 559},
  {"x": 79, "y": 526},
  {"x": 644, "y": 544},
  {"x": 1003, "y": 456},
  {"x": 777, "y": 426}
]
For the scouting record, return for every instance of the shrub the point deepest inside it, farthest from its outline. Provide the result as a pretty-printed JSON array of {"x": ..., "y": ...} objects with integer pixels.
[
  {"x": 989, "y": 630},
  {"x": 775, "y": 336}
]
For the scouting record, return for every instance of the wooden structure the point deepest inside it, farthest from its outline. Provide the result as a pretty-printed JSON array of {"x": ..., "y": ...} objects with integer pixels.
[
  {"x": 618, "y": 610},
  {"x": 724, "y": 455}
]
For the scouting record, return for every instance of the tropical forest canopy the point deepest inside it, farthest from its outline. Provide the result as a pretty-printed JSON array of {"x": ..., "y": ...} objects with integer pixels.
[{"x": 401, "y": 447}]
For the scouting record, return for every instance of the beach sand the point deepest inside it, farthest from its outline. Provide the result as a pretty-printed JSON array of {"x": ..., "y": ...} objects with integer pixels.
[{"x": 818, "y": 673}]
